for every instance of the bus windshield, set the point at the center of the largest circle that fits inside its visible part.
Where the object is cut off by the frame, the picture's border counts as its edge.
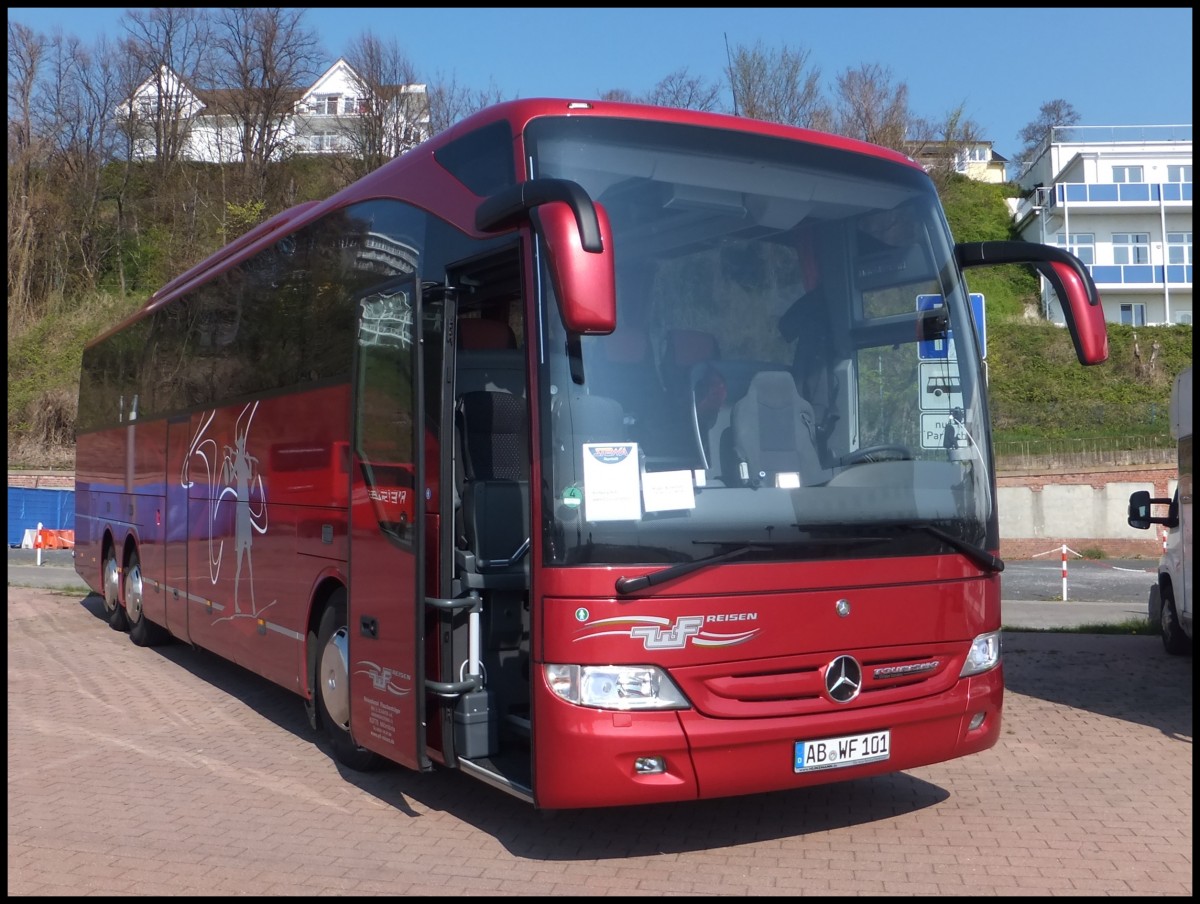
(795, 373)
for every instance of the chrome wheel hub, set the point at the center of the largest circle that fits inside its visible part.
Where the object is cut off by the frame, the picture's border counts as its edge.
(133, 593)
(112, 584)
(334, 679)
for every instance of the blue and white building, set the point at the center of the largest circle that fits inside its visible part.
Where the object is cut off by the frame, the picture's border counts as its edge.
(1120, 197)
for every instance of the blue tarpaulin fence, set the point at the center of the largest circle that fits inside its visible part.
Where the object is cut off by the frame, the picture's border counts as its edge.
(55, 509)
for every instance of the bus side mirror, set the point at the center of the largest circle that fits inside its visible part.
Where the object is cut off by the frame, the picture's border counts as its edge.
(584, 281)
(1080, 303)
(578, 240)
(1077, 295)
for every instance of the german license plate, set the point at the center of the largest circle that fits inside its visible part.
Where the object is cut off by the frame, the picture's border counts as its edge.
(851, 750)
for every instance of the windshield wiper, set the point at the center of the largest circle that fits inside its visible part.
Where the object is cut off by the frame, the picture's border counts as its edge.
(632, 585)
(976, 554)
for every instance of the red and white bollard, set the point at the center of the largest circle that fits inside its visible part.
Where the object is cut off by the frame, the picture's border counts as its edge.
(1164, 541)
(1064, 572)
(37, 542)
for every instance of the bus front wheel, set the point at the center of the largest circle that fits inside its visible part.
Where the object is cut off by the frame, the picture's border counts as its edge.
(332, 687)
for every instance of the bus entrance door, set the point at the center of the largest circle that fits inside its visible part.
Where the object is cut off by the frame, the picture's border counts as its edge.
(385, 615)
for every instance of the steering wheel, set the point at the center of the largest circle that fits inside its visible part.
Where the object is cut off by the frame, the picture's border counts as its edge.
(881, 452)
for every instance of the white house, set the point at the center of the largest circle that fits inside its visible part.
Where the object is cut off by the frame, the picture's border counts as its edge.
(1119, 197)
(326, 117)
(325, 113)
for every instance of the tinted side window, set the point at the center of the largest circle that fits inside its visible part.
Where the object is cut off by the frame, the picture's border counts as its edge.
(481, 160)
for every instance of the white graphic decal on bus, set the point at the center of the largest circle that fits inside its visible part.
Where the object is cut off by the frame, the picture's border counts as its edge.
(384, 678)
(660, 634)
(230, 472)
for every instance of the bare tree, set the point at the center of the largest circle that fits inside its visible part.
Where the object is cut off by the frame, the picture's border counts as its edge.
(777, 86)
(159, 69)
(393, 112)
(618, 96)
(26, 52)
(1051, 114)
(679, 89)
(59, 142)
(870, 107)
(168, 48)
(266, 53)
(83, 92)
(450, 102)
(684, 91)
(942, 143)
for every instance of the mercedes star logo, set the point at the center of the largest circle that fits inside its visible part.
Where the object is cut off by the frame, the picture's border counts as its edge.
(843, 679)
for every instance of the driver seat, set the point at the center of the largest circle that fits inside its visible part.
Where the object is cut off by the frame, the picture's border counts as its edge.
(774, 433)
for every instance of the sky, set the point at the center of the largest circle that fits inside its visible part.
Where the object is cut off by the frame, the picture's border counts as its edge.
(1124, 66)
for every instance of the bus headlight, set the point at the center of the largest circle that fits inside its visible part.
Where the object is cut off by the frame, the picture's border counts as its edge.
(615, 686)
(983, 655)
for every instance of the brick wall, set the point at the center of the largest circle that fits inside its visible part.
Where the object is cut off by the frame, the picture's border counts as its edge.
(1105, 489)
(42, 480)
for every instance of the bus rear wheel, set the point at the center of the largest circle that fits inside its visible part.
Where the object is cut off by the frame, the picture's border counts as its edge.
(142, 631)
(111, 578)
(1174, 640)
(332, 687)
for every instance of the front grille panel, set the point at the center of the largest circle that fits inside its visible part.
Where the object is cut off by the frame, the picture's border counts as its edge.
(795, 685)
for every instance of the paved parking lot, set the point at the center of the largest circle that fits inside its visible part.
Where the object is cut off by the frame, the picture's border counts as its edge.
(169, 772)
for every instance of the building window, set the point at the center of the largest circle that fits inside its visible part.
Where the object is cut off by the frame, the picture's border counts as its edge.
(327, 104)
(327, 141)
(1127, 174)
(1133, 314)
(1179, 248)
(1177, 173)
(1183, 317)
(1082, 245)
(1131, 247)
(966, 156)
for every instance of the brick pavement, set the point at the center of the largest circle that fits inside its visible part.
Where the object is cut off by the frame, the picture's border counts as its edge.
(169, 772)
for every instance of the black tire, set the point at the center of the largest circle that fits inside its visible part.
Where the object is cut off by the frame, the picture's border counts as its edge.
(110, 579)
(142, 631)
(331, 688)
(1154, 609)
(1174, 640)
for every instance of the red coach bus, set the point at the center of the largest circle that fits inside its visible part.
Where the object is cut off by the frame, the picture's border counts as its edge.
(586, 449)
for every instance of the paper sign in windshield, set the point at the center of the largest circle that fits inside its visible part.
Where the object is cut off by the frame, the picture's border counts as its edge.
(611, 490)
(665, 491)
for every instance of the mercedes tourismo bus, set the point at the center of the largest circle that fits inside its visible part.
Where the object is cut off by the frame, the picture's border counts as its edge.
(586, 449)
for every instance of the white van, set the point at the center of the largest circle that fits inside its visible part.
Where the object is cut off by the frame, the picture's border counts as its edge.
(1170, 606)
